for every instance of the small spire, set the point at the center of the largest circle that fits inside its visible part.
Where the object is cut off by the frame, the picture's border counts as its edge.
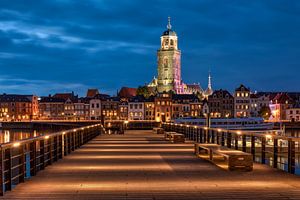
(209, 80)
(169, 26)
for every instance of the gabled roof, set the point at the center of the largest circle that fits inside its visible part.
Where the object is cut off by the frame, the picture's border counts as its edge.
(92, 92)
(282, 98)
(220, 94)
(294, 95)
(242, 88)
(127, 92)
(194, 87)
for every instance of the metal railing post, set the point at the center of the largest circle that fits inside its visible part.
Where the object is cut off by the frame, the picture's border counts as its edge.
(263, 150)
(253, 146)
(2, 171)
(42, 154)
(49, 141)
(229, 138)
(32, 149)
(7, 168)
(236, 141)
(223, 139)
(22, 168)
(244, 142)
(291, 156)
(275, 152)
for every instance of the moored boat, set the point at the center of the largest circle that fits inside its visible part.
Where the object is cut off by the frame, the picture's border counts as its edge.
(249, 123)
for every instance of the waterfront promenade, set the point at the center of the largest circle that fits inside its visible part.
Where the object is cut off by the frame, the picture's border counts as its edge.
(141, 165)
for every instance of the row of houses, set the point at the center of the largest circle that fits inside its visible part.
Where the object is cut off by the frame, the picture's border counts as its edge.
(162, 107)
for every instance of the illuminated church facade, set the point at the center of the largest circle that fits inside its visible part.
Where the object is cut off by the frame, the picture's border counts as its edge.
(169, 68)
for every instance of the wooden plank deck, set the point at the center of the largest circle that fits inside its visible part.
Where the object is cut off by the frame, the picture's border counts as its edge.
(141, 165)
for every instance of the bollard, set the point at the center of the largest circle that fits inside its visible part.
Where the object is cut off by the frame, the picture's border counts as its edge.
(275, 152)
(291, 156)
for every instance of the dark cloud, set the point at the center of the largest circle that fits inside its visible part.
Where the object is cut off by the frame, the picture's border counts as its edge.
(73, 45)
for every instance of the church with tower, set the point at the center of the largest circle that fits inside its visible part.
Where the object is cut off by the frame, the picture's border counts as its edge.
(169, 68)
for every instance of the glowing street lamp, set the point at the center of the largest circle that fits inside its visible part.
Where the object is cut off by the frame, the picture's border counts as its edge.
(16, 144)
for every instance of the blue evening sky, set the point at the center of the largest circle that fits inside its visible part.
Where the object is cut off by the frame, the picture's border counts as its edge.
(63, 45)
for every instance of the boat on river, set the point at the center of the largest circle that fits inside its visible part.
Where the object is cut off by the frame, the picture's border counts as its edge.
(247, 123)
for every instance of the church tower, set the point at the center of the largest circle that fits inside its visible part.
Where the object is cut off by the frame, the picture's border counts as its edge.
(168, 61)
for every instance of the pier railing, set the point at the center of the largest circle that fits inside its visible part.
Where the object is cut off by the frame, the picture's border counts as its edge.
(267, 147)
(22, 159)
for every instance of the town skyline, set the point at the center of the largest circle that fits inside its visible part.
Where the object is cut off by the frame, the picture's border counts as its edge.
(44, 54)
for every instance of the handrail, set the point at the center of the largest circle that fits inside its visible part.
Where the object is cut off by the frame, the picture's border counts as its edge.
(24, 158)
(268, 133)
(19, 142)
(261, 145)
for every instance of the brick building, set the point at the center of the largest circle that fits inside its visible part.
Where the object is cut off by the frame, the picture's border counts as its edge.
(18, 107)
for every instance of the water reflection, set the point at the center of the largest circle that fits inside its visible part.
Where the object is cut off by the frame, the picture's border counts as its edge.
(11, 135)
(293, 132)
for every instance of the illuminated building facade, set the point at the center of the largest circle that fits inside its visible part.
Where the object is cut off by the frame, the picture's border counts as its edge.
(221, 104)
(136, 108)
(18, 107)
(279, 106)
(163, 107)
(242, 101)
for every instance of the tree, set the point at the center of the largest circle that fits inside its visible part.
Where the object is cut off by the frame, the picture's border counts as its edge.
(143, 91)
(265, 112)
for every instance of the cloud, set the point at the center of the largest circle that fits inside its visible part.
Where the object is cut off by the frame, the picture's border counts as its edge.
(41, 87)
(109, 45)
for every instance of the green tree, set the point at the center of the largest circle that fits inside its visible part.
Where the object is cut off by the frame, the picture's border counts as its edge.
(143, 90)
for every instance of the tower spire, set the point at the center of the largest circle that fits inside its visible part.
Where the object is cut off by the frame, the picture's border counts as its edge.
(169, 26)
(209, 81)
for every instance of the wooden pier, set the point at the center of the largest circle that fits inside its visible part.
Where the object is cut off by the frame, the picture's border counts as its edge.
(142, 165)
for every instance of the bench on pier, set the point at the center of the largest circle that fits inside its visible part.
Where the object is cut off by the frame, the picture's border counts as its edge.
(230, 159)
(177, 138)
(158, 130)
(168, 135)
(174, 137)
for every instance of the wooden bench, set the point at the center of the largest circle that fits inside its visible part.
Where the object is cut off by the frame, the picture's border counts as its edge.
(233, 159)
(174, 137)
(158, 130)
(168, 135)
(177, 138)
